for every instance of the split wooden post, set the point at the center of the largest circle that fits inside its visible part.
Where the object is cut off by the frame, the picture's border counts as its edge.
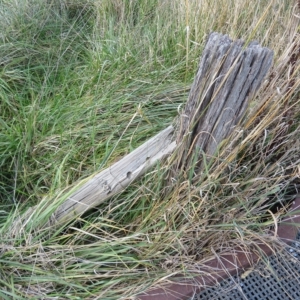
(228, 76)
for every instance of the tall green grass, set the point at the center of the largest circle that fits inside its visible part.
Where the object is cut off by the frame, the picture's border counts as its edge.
(82, 83)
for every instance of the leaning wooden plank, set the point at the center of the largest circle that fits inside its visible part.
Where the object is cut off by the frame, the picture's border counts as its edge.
(116, 178)
(229, 74)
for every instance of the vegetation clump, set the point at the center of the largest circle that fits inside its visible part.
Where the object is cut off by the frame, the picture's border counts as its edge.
(83, 83)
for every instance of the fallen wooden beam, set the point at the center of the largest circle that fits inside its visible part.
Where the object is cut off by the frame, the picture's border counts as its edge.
(117, 177)
(229, 74)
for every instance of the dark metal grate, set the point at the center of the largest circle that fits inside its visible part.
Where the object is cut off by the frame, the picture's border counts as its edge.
(277, 279)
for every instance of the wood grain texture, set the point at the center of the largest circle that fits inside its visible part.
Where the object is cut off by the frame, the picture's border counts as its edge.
(229, 74)
(117, 177)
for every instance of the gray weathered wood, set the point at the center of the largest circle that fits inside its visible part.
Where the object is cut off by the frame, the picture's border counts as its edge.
(117, 177)
(228, 76)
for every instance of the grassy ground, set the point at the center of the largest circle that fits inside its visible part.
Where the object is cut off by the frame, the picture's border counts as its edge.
(82, 83)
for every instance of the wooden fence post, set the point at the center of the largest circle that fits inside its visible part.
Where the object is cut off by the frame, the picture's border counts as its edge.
(228, 76)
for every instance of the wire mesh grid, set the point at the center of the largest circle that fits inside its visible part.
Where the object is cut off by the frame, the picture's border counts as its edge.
(276, 279)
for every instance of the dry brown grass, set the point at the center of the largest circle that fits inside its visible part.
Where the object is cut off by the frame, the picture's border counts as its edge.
(151, 232)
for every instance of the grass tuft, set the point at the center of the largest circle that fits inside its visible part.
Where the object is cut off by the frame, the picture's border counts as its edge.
(83, 83)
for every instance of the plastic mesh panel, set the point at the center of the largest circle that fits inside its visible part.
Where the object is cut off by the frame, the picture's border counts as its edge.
(279, 279)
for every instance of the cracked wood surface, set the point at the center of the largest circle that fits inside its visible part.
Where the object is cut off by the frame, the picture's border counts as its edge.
(229, 74)
(117, 177)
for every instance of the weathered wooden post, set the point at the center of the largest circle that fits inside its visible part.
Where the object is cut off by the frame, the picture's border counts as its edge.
(228, 76)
